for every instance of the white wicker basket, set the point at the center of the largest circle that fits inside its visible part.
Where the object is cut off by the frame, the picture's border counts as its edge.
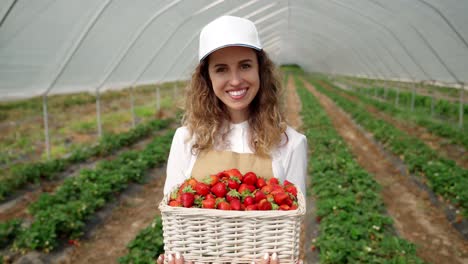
(217, 236)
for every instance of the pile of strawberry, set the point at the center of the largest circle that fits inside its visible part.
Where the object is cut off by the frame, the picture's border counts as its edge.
(230, 190)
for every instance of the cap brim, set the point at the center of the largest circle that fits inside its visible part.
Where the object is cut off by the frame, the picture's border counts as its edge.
(230, 45)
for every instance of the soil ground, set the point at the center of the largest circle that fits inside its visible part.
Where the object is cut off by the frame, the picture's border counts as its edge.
(441, 145)
(415, 217)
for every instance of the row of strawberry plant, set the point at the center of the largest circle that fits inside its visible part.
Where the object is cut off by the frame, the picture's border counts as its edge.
(147, 245)
(353, 225)
(443, 176)
(22, 174)
(454, 134)
(63, 215)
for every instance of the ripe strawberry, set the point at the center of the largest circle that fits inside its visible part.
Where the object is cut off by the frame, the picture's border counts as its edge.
(286, 183)
(232, 194)
(234, 173)
(252, 207)
(202, 188)
(280, 197)
(291, 189)
(273, 181)
(175, 203)
(249, 200)
(219, 189)
(209, 203)
(259, 195)
(264, 205)
(246, 187)
(188, 199)
(223, 206)
(211, 180)
(267, 189)
(210, 196)
(284, 207)
(233, 183)
(250, 178)
(235, 204)
(260, 182)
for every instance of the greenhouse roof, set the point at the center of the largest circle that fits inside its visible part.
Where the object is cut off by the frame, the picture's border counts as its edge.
(52, 47)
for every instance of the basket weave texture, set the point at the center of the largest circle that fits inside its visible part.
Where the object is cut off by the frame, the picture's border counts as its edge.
(217, 236)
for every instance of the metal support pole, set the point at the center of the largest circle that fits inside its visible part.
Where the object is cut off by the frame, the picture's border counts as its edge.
(413, 94)
(397, 98)
(158, 99)
(46, 125)
(460, 113)
(132, 106)
(98, 114)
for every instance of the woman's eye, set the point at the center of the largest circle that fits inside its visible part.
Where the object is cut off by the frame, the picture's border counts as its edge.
(220, 69)
(245, 66)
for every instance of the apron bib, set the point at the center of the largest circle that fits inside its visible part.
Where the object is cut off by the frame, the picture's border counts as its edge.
(212, 162)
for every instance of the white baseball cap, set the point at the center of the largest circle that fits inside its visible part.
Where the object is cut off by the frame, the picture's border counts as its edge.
(228, 31)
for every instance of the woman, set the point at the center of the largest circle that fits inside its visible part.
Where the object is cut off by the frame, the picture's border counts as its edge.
(233, 117)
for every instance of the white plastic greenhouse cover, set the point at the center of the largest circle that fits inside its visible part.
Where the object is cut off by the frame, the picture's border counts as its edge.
(62, 46)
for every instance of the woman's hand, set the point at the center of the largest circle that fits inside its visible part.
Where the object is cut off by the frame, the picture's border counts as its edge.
(273, 259)
(171, 259)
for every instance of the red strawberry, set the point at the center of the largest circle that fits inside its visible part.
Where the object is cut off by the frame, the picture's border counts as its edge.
(267, 189)
(280, 197)
(235, 204)
(209, 203)
(264, 205)
(246, 187)
(202, 188)
(259, 195)
(211, 180)
(192, 182)
(286, 183)
(232, 194)
(234, 173)
(250, 178)
(260, 182)
(223, 206)
(210, 196)
(219, 189)
(273, 181)
(252, 207)
(284, 207)
(291, 189)
(175, 203)
(249, 200)
(188, 199)
(233, 183)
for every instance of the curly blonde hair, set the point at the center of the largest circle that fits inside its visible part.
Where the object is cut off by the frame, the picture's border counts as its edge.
(205, 114)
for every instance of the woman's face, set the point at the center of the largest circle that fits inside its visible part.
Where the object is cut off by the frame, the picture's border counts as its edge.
(235, 78)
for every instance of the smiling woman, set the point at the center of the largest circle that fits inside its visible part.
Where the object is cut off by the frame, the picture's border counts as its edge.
(233, 117)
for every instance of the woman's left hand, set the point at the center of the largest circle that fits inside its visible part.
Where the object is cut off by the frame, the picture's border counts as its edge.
(273, 259)
(173, 259)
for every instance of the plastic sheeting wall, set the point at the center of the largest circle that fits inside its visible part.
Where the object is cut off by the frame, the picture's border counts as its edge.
(63, 46)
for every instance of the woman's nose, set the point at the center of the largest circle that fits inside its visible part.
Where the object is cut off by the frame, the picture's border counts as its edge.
(236, 78)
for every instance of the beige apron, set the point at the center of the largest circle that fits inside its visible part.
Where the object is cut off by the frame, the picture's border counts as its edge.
(212, 162)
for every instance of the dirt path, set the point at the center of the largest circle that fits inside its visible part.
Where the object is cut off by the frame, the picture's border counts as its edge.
(311, 227)
(109, 240)
(415, 218)
(441, 145)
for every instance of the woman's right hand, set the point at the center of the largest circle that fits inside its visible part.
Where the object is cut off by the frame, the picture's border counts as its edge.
(172, 259)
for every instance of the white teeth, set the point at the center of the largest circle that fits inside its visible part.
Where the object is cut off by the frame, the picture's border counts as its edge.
(238, 93)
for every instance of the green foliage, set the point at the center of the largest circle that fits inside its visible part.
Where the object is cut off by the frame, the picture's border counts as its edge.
(8, 231)
(443, 175)
(147, 245)
(64, 213)
(34, 172)
(353, 225)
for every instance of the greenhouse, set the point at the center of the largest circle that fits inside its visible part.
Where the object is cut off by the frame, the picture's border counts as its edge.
(371, 97)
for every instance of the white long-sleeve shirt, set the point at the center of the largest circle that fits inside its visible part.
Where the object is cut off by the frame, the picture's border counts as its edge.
(289, 161)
